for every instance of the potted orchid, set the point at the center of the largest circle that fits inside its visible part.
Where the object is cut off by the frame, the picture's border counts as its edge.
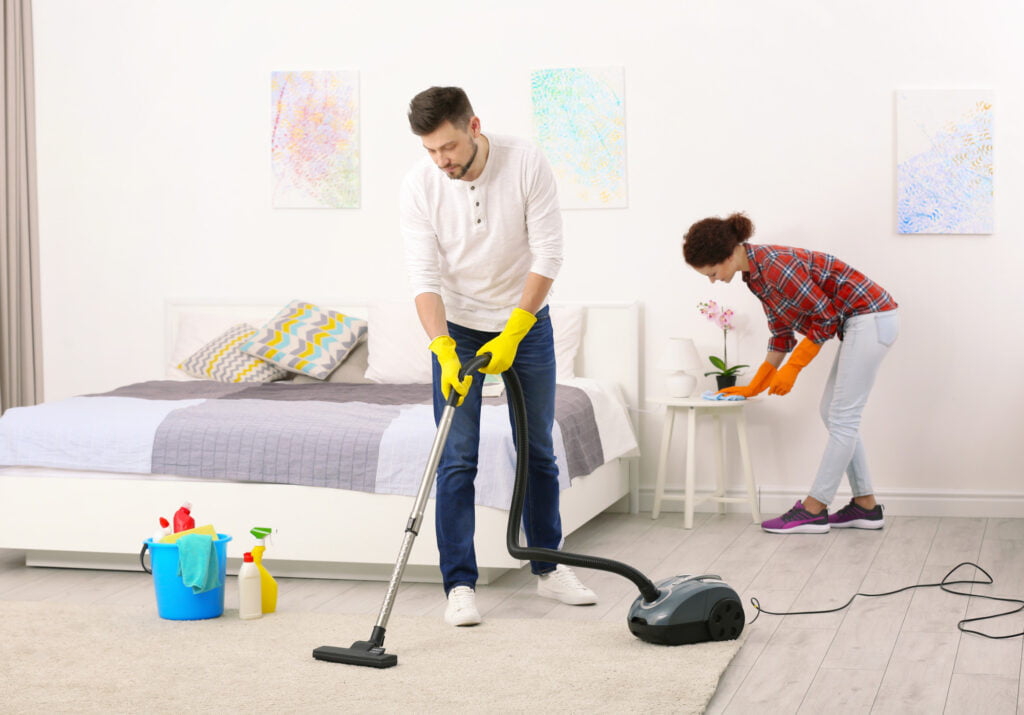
(721, 316)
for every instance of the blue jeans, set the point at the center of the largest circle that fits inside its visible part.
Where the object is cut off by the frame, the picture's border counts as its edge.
(866, 341)
(455, 513)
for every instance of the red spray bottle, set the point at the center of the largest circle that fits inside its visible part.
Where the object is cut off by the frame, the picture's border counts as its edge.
(164, 530)
(183, 520)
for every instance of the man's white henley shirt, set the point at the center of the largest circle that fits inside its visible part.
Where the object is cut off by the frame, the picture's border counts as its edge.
(474, 242)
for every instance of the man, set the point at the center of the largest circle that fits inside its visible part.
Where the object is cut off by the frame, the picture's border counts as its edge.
(483, 239)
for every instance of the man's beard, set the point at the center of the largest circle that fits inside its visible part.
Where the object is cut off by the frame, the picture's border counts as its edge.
(465, 167)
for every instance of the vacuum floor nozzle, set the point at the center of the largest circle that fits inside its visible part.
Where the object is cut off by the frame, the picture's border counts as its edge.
(360, 653)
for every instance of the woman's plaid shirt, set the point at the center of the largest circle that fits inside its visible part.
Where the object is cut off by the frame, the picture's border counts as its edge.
(809, 292)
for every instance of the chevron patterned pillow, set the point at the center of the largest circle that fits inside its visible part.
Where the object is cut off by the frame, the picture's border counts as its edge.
(307, 339)
(222, 360)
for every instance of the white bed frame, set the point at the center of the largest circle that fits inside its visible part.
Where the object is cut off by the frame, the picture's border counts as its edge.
(99, 520)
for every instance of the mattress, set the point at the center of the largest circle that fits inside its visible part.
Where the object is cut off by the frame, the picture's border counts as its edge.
(364, 437)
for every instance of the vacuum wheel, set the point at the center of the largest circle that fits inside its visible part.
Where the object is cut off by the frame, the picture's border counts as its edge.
(725, 622)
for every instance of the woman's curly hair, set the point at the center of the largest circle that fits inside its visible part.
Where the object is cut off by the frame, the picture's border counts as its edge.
(712, 240)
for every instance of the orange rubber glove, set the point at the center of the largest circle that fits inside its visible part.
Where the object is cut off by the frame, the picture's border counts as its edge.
(444, 347)
(762, 378)
(783, 381)
(503, 348)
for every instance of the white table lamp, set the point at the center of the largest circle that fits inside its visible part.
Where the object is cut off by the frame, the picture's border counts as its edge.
(680, 359)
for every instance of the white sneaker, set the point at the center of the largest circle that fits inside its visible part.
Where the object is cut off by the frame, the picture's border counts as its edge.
(562, 585)
(461, 609)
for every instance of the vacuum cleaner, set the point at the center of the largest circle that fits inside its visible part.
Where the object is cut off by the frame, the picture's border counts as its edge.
(679, 610)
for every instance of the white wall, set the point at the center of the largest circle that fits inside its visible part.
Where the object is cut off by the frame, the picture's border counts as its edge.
(154, 186)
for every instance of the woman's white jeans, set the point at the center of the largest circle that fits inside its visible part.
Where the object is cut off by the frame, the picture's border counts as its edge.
(866, 340)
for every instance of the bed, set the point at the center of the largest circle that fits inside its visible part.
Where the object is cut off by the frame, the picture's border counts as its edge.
(92, 498)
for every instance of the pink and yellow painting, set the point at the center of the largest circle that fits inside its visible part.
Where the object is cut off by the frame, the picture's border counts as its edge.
(315, 139)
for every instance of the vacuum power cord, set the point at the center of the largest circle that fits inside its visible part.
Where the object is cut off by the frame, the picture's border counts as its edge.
(944, 585)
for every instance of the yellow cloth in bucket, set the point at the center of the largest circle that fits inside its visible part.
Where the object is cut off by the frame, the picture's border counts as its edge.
(204, 529)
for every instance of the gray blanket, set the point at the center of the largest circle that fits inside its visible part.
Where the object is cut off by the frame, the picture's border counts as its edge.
(369, 437)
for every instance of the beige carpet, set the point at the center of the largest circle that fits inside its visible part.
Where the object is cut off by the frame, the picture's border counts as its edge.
(75, 658)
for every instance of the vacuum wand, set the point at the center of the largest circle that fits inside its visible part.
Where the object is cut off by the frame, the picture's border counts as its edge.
(371, 652)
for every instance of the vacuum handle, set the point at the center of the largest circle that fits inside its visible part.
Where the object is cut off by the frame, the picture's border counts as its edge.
(473, 364)
(412, 527)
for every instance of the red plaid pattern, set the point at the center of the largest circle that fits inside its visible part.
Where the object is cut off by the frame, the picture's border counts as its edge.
(810, 293)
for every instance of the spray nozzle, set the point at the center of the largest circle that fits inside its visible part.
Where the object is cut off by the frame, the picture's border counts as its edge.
(261, 533)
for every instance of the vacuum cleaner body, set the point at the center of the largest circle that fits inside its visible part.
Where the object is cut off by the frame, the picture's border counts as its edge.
(689, 609)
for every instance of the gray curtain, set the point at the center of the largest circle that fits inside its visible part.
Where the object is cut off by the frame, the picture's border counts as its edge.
(21, 364)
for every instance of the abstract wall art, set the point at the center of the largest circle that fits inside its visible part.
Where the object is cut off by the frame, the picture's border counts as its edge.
(315, 139)
(945, 169)
(579, 120)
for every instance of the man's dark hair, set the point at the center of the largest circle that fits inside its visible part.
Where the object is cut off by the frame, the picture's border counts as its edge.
(432, 107)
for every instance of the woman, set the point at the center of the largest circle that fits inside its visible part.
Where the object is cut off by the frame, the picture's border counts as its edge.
(818, 296)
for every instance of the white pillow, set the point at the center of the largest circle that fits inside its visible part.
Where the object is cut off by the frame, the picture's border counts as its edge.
(400, 353)
(399, 348)
(567, 326)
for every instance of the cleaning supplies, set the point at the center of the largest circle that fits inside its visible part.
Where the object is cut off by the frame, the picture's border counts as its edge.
(268, 585)
(164, 530)
(183, 518)
(204, 529)
(249, 589)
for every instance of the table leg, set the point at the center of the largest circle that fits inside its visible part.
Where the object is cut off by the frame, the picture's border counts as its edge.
(666, 441)
(748, 471)
(720, 460)
(691, 449)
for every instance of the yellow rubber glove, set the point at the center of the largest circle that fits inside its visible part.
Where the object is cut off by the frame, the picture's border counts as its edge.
(757, 385)
(503, 348)
(444, 347)
(783, 381)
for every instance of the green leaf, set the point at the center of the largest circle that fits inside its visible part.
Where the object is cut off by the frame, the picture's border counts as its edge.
(732, 370)
(717, 362)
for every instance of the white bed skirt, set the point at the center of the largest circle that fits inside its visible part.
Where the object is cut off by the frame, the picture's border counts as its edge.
(98, 520)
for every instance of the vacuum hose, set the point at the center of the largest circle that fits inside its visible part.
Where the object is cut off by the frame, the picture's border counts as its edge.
(515, 516)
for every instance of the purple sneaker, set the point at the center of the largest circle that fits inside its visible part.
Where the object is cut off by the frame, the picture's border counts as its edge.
(798, 521)
(857, 517)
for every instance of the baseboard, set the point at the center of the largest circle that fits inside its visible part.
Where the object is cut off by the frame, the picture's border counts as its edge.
(772, 501)
(419, 573)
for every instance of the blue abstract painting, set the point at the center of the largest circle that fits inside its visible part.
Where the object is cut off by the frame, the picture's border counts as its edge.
(945, 167)
(579, 120)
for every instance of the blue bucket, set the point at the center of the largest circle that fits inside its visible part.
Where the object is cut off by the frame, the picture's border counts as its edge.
(174, 600)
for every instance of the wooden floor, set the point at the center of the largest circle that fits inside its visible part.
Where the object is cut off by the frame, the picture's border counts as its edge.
(898, 654)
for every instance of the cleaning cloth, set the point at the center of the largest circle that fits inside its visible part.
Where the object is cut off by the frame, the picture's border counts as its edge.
(197, 562)
(712, 395)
